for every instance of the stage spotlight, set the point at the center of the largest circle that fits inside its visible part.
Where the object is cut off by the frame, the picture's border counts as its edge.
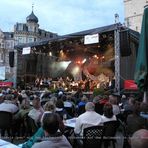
(83, 61)
(50, 53)
(64, 64)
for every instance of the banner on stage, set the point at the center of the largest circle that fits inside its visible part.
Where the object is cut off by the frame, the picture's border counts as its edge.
(26, 50)
(91, 39)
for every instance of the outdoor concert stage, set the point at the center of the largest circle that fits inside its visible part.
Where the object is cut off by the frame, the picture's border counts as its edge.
(109, 53)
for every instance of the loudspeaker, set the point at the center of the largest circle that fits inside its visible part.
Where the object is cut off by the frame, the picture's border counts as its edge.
(125, 49)
(11, 58)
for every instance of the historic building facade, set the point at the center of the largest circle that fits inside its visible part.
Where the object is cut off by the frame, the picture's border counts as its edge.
(6, 47)
(133, 10)
(23, 33)
(30, 31)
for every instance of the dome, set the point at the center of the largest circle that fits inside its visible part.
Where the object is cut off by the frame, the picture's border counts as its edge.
(32, 18)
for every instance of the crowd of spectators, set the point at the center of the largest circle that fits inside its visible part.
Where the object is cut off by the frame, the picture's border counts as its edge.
(48, 110)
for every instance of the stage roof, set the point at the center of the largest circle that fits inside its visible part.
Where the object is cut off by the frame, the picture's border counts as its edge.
(133, 34)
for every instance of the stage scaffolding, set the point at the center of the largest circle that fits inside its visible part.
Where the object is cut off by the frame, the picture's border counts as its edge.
(117, 60)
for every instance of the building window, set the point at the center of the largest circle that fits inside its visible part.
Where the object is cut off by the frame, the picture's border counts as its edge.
(136, 28)
(20, 27)
(1, 57)
(30, 40)
(51, 35)
(128, 22)
(2, 45)
(20, 39)
(30, 28)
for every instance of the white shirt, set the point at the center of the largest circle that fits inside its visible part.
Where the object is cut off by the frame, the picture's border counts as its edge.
(105, 119)
(87, 119)
(8, 107)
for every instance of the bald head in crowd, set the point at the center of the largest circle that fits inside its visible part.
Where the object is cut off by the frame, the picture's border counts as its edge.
(89, 106)
(140, 139)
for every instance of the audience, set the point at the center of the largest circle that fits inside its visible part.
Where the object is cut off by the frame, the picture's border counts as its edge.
(49, 107)
(98, 106)
(52, 138)
(139, 139)
(91, 114)
(9, 104)
(134, 120)
(144, 110)
(108, 113)
(113, 100)
(37, 111)
(25, 108)
(87, 119)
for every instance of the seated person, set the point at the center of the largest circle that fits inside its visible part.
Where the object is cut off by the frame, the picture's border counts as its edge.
(139, 139)
(49, 107)
(81, 105)
(60, 110)
(144, 110)
(52, 138)
(134, 120)
(9, 104)
(108, 113)
(37, 111)
(98, 105)
(25, 108)
(113, 101)
(87, 119)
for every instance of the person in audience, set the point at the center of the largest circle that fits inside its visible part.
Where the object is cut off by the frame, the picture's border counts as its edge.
(98, 105)
(113, 101)
(87, 119)
(54, 99)
(81, 105)
(9, 104)
(53, 138)
(134, 120)
(25, 108)
(144, 110)
(60, 109)
(108, 113)
(69, 105)
(37, 111)
(139, 139)
(129, 106)
(49, 107)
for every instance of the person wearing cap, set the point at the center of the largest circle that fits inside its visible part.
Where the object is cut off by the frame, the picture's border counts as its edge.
(87, 119)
